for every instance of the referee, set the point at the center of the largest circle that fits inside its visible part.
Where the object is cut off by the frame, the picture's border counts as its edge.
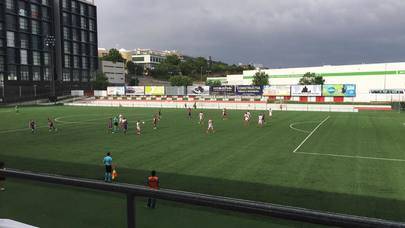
(108, 167)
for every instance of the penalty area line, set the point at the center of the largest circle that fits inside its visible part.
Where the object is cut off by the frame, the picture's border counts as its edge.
(310, 134)
(351, 156)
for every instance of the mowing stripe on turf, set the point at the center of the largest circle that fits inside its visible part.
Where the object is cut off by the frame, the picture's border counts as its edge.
(310, 134)
(351, 156)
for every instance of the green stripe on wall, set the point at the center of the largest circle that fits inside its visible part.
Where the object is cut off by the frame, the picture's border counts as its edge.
(344, 74)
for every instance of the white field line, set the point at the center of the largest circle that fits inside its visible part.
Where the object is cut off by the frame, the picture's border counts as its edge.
(351, 156)
(310, 134)
(298, 123)
(61, 123)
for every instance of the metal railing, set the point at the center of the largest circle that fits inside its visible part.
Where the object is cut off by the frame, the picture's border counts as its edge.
(232, 204)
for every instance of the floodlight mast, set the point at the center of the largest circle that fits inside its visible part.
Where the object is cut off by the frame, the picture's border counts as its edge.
(50, 42)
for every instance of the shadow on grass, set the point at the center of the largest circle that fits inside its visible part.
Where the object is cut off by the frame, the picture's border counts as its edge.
(327, 201)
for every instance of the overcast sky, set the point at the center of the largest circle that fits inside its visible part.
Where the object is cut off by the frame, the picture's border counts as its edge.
(276, 33)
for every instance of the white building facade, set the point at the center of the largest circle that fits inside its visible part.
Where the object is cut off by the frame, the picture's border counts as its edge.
(115, 72)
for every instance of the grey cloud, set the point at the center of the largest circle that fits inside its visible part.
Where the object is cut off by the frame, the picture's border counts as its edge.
(277, 33)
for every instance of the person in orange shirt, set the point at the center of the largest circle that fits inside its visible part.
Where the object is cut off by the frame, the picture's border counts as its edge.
(153, 183)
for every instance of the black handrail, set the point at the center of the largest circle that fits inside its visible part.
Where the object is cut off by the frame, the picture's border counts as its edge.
(238, 205)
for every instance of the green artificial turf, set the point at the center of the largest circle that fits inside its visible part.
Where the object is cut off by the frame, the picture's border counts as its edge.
(353, 163)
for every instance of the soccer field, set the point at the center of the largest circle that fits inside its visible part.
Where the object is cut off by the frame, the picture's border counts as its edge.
(341, 162)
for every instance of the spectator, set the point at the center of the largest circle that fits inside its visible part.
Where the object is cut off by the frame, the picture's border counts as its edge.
(153, 183)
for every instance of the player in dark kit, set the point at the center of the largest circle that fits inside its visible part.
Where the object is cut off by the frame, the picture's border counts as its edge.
(224, 114)
(51, 125)
(160, 113)
(189, 113)
(155, 121)
(125, 125)
(32, 125)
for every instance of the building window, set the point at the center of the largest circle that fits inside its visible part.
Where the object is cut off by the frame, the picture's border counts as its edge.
(65, 33)
(76, 62)
(138, 59)
(83, 23)
(46, 58)
(84, 36)
(45, 2)
(11, 56)
(92, 25)
(36, 58)
(84, 49)
(23, 41)
(11, 76)
(36, 75)
(75, 48)
(34, 11)
(36, 42)
(34, 27)
(66, 61)
(66, 47)
(66, 20)
(1, 26)
(23, 57)
(74, 6)
(22, 8)
(46, 74)
(45, 28)
(75, 34)
(75, 20)
(82, 9)
(10, 39)
(45, 13)
(1, 80)
(76, 75)
(92, 37)
(92, 11)
(85, 76)
(23, 23)
(1, 64)
(24, 74)
(66, 76)
(10, 4)
(64, 4)
(11, 22)
(84, 63)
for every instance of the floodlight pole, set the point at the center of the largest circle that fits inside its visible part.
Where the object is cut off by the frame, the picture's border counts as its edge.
(50, 43)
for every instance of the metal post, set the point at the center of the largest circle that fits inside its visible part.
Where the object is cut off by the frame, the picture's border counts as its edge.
(131, 210)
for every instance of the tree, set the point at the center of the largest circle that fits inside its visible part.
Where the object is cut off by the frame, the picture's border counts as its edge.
(213, 83)
(133, 82)
(260, 79)
(172, 59)
(113, 55)
(311, 79)
(134, 69)
(181, 80)
(101, 82)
